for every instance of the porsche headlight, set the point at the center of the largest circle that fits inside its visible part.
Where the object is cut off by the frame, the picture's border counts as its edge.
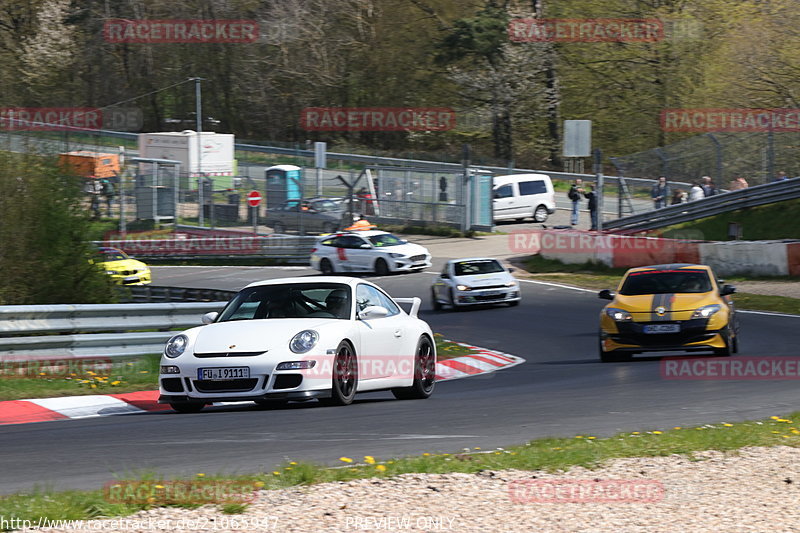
(176, 346)
(303, 341)
(463, 287)
(706, 311)
(619, 315)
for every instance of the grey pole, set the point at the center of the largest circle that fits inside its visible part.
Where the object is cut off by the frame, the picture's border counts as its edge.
(598, 168)
(198, 130)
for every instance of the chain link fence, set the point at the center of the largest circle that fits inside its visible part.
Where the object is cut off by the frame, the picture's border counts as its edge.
(756, 156)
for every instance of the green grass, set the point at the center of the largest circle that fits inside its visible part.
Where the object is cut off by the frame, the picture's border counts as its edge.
(548, 454)
(33, 380)
(448, 349)
(772, 221)
(598, 276)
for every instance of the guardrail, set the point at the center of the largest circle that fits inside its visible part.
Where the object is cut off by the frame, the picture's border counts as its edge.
(94, 330)
(713, 205)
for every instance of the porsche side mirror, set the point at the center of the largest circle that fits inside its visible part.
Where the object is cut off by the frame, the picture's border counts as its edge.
(605, 294)
(373, 311)
(727, 289)
(210, 317)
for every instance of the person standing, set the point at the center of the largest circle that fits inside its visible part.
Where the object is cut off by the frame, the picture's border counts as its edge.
(709, 189)
(574, 194)
(680, 197)
(592, 197)
(738, 184)
(107, 190)
(696, 192)
(660, 192)
(781, 176)
(92, 188)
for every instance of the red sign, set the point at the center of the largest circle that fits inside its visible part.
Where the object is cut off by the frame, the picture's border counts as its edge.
(254, 198)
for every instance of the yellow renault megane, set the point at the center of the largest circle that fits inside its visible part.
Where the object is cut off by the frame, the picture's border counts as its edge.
(665, 308)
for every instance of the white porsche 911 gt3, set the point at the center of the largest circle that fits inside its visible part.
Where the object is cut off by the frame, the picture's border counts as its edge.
(325, 337)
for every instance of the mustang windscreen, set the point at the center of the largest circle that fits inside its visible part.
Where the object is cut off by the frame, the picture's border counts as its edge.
(666, 282)
(306, 300)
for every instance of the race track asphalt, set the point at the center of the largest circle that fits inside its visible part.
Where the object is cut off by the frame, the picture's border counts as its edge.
(562, 390)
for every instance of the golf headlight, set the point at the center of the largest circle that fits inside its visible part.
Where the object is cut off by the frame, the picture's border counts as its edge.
(511, 284)
(176, 346)
(463, 288)
(619, 315)
(706, 311)
(304, 341)
(296, 365)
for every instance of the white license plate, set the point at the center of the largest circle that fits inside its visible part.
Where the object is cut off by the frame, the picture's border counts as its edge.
(132, 278)
(225, 372)
(662, 328)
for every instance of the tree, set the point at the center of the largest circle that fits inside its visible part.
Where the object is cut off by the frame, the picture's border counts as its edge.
(45, 256)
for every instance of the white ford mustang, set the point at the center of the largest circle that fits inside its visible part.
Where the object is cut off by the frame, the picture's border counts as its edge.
(325, 337)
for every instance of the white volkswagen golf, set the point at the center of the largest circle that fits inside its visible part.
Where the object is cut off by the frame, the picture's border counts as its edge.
(298, 339)
(368, 251)
(474, 281)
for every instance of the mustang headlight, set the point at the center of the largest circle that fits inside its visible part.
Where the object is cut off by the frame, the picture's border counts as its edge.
(463, 287)
(304, 341)
(706, 311)
(619, 315)
(176, 346)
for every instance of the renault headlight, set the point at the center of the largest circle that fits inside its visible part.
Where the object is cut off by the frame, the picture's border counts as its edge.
(619, 315)
(706, 311)
(176, 346)
(303, 341)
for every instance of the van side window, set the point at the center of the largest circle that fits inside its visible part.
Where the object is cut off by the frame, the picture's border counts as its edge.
(504, 191)
(532, 187)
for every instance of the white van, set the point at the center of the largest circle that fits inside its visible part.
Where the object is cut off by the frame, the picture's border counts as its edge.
(519, 196)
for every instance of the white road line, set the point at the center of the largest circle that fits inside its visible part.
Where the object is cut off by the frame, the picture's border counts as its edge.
(87, 406)
(581, 289)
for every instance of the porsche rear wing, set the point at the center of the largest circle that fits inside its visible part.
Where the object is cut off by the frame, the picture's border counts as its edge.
(415, 303)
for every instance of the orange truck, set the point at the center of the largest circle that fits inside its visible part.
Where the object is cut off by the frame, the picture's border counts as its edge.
(90, 164)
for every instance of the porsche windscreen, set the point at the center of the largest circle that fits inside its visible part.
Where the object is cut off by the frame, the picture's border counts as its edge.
(307, 300)
(666, 282)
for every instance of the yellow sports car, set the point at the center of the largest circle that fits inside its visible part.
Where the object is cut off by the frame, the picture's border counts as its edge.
(665, 308)
(122, 268)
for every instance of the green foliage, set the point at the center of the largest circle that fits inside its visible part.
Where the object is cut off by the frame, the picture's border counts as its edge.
(45, 256)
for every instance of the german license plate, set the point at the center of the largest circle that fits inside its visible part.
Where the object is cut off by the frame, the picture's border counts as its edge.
(662, 328)
(225, 372)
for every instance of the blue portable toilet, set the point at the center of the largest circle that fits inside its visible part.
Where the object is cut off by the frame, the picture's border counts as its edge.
(283, 185)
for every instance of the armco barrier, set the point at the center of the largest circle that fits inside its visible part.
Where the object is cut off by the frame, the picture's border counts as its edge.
(765, 258)
(21, 327)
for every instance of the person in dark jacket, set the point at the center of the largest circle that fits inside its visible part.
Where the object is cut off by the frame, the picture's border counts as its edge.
(592, 197)
(709, 189)
(660, 193)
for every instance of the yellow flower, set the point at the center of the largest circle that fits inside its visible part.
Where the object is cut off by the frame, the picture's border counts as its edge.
(345, 459)
(677, 427)
(635, 433)
(727, 425)
(115, 383)
(497, 453)
(369, 459)
(276, 473)
(159, 486)
(144, 372)
(90, 372)
(445, 454)
(656, 433)
(151, 500)
(353, 469)
(796, 432)
(93, 386)
(477, 448)
(776, 431)
(785, 436)
(775, 417)
(288, 468)
(578, 436)
(201, 475)
(293, 463)
(426, 454)
(591, 438)
(380, 468)
(42, 374)
(258, 484)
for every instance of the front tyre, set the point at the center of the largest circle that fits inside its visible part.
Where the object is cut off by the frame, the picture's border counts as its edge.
(612, 356)
(187, 407)
(344, 380)
(727, 350)
(437, 305)
(424, 373)
(381, 268)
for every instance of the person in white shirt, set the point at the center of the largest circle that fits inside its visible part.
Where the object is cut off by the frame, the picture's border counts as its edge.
(696, 192)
